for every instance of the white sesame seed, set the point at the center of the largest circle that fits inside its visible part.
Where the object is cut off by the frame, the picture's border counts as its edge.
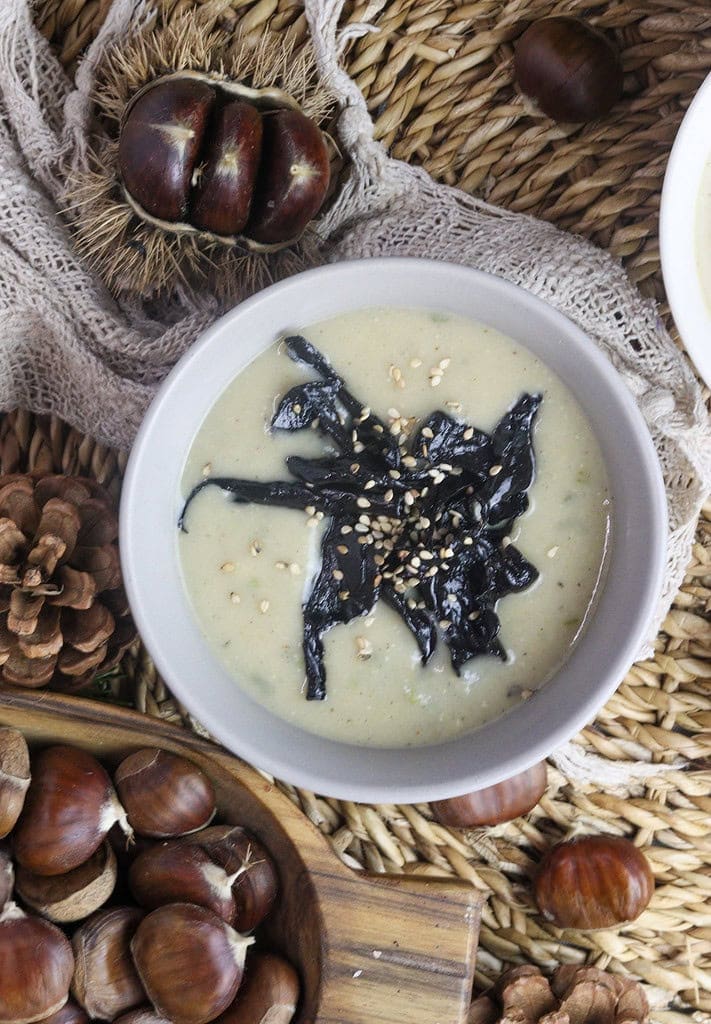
(409, 498)
(452, 598)
(444, 624)
(342, 549)
(227, 567)
(297, 408)
(235, 598)
(415, 562)
(495, 470)
(364, 519)
(343, 595)
(310, 510)
(409, 461)
(337, 574)
(415, 363)
(312, 521)
(358, 447)
(377, 580)
(468, 541)
(346, 529)
(444, 363)
(362, 503)
(427, 432)
(280, 565)
(388, 496)
(361, 528)
(394, 474)
(505, 541)
(552, 552)
(427, 555)
(319, 516)
(432, 571)
(411, 602)
(255, 547)
(295, 569)
(355, 467)
(264, 607)
(369, 485)
(468, 434)
(393, 414)
(445, 467)
(365, 412)
(435, 381)
(364, 648)
(473, 616)
(207, 469)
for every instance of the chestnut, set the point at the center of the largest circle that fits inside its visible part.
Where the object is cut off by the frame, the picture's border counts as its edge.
(74, 895)
(593, 882)
(223, 192)
(36, 965)
(571, 69)
(159, 144)
(179, 872)
(14, 777)
(69, 809)
(269, 992)
(189, 961)
(495, 804)
(143, 1015)
(105, 981)
(164, 794)
(293, 179)
(255, 881)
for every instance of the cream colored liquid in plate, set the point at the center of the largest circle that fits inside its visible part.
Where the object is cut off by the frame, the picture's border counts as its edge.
(248, 569)
(703, 233)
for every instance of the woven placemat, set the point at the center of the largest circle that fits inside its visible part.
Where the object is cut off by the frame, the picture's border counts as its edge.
(437, 76)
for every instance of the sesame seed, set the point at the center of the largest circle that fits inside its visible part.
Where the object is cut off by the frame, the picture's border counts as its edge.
(411, 602)
(377, 580)
(362, 503)
(358, 447)
(393, 414)
(364, 519)
(319, 516)
(435, 381)
(409, 461)
(355, 467)
(438, 478)
(414, 561)
(364, 648)
(310, 510)
(452, 598)
(361, 528)
(427, 432)
(495, 470)
(369, 485)
(432, 571)
(388, 496)
(297, 408)
(255, 548)
(365, 412)
(378, 428)
(280, 565)
(444, 624)
(343, 595)
(444, 363)
(552, 552)
(415, 363)
(468, 434)
(445, 467)
(473, 616)
(342, 549)
(394, 474)
(379, 560)
(207, 469)
(227, 567)
(337, 574)
(505, 541)
(235, 598)
(312, 521)
(427, 555)
(295, 569)
(264, 607)
(468, 541)
(346, 529)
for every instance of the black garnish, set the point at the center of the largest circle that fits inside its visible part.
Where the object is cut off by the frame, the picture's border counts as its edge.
(420, 522)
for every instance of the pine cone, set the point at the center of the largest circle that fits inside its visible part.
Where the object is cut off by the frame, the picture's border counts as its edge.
(574, 995)
(63, 612)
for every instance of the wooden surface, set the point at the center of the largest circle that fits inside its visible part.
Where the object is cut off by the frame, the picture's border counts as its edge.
(368, 949)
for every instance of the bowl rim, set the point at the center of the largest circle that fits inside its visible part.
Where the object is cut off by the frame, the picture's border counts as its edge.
(398, 775)
(690, 153)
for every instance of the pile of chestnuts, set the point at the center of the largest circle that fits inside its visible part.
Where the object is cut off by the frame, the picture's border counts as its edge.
(121, 901)
(199, 154)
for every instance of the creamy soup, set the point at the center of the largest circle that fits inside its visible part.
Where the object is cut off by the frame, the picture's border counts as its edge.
(249, 569)
(703, 233)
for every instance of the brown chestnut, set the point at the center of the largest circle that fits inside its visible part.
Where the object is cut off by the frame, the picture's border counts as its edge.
(159, 145)
(105, 981)
(495, 804)
(190, 962)
(255, 880)
(7, 875)
(14, 777)
(593, 882)
(571, 69)
(36, 965)
(180, 872)
(269, 992)
(143, 1015)
(69, 809)
(293, 177)
(223, 192)
(164, 794)
(73, 896)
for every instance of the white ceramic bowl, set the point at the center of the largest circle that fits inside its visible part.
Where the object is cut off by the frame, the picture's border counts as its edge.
(152, 500)
(678, 225)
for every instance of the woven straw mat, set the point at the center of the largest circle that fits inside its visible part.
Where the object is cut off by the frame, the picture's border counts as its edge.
(437, 76)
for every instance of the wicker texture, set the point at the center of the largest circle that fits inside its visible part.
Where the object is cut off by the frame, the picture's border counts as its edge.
(437, 76)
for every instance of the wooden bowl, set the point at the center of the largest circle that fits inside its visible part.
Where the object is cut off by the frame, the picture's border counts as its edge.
(371, 949)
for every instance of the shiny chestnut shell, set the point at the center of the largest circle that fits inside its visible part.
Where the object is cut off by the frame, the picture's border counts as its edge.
(14, 777)
(571, 69)
(164, 794)
(495, 804)
(242, 856)
(36, 965)
(199, 154)
(593, 882)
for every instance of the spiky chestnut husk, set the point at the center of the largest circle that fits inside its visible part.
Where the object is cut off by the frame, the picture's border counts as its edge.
(133, 255)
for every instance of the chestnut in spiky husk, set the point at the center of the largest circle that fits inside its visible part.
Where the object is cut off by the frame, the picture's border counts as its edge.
(199, 154)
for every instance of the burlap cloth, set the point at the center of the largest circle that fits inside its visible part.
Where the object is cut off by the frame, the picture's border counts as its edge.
(437, 78)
